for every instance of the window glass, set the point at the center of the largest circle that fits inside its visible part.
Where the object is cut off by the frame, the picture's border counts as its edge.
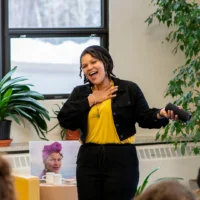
(54, 13)
(51, 64)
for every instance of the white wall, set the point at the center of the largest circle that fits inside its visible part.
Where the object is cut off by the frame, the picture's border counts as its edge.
(138, 54)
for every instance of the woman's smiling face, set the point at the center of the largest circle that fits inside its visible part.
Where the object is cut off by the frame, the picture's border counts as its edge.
(93, 69)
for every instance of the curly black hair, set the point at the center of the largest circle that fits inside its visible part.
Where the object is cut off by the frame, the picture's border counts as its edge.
(101, 54)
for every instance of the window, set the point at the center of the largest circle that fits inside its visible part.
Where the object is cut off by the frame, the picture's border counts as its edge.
(45, 38)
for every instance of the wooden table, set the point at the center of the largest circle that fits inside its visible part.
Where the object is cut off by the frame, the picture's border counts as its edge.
(61, 192)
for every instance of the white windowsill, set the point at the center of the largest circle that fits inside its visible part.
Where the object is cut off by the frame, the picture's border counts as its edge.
(15, 147)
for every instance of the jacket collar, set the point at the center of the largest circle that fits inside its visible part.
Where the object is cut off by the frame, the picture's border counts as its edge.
(118, 82)
(85, 90)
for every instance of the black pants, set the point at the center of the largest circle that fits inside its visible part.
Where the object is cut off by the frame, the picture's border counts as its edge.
(107, 172)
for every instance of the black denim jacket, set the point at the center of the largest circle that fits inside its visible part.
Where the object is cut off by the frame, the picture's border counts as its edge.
(128, 107)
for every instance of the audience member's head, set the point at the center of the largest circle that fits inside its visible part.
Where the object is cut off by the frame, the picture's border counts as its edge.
(7, 191)
(166, 190)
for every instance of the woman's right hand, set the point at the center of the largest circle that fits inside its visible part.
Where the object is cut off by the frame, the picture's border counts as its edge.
(99, 96)
(105, 94)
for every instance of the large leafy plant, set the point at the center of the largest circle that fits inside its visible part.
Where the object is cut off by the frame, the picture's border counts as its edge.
(184, 19)
(19, 102)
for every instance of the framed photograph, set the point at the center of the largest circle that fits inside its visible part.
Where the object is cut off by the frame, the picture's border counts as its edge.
(54, 156)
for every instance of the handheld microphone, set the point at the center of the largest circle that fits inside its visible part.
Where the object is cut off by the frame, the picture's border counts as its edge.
(182, 114)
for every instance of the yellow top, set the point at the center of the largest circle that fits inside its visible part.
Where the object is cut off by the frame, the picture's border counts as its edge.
(101, 128)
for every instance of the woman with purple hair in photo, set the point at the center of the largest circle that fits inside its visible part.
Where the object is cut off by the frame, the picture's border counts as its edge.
(52, 158)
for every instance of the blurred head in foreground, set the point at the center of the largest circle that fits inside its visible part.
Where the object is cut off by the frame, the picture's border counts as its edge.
(166, 190)
(7, 191)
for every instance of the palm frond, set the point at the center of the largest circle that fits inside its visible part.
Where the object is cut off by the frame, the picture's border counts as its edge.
(7, 76)
(14, 117)
(19, 87)
(11, 82)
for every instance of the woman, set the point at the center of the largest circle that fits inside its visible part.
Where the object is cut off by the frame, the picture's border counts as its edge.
(106, 109)
(52, 158)
(7, 190)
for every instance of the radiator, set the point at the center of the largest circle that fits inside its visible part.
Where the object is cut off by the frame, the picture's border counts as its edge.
(19, 163)
(171, 163)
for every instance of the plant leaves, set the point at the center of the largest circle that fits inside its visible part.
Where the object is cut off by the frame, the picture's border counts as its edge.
(18, 101)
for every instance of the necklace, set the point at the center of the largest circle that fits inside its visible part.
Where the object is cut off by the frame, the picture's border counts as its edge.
(99, 105)
(98, 111)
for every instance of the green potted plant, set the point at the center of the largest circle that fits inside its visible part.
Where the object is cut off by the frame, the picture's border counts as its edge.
(183, 19)
(19, 102)
(65, 133)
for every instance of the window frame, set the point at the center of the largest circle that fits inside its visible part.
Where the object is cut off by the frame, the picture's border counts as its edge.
(7, 33)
